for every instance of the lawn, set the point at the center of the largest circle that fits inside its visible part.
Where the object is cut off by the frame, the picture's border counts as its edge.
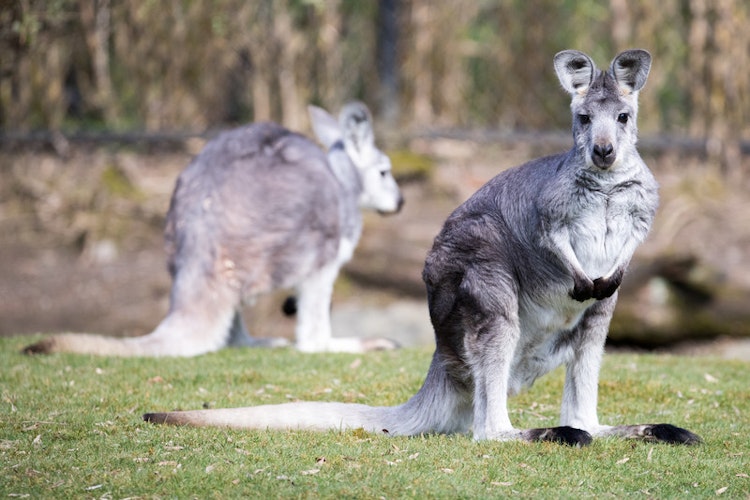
(70, 426)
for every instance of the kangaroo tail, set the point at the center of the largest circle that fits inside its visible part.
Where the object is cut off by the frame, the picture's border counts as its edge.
(177, 335)
(440, 406)
(317, 416)
(199, 321)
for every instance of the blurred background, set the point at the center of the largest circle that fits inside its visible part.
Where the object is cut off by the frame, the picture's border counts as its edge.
(102, 103)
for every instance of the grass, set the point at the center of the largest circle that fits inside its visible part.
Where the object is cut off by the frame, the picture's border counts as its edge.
(70, 427)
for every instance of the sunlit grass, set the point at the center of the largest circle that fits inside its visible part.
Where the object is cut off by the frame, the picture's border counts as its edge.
(70, 426)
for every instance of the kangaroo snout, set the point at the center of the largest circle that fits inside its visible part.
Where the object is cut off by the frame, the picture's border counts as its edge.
(604, 155)
(396, 209)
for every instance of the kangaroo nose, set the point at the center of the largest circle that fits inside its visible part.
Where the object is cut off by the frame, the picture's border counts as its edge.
(399, 206)
(400, 203)
(604, 155)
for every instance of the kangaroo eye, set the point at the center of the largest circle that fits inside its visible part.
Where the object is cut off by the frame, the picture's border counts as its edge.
(623, 118)
(584, 119)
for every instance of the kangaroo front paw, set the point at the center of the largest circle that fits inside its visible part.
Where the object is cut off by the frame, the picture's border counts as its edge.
(606, 287)
(583, 289)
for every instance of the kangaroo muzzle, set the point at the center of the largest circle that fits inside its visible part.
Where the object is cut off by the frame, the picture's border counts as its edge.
(397, 209)
(603, 155)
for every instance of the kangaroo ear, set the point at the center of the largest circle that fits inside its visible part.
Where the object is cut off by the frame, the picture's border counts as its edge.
(325, 126)
(575, 70)
(630, 69)
(356, 125)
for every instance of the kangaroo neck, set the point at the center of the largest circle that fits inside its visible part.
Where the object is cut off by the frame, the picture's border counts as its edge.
(345, 171)
(590, 176)
(350, 189)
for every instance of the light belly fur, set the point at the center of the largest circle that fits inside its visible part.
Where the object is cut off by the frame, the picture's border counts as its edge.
(538, 350)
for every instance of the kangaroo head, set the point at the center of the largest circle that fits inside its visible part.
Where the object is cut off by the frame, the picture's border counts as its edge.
(353, 131)
(604, 103)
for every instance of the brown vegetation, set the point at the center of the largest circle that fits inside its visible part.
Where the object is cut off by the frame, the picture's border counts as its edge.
(191, 65)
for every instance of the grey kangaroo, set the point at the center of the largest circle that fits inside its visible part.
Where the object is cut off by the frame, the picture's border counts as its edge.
(262, 208)
(522, 278)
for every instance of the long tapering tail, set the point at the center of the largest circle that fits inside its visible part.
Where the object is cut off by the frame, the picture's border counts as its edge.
(440, 406)
(315, 416)
(176, 335)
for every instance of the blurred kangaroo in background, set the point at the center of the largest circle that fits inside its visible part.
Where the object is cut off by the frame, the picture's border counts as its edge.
(522, 278)
(262, 208)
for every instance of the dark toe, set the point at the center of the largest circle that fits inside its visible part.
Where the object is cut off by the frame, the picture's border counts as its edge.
(155, 418)
(43, 347)
(563, 435)
(668, 433)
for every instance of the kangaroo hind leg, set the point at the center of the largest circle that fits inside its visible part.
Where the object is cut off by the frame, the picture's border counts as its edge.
(491, 340)
(313, 331)
(467, 315)
(491, 420)
(201, 312)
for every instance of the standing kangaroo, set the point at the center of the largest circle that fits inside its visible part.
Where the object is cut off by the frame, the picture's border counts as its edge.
(522, 278)
(262, 208)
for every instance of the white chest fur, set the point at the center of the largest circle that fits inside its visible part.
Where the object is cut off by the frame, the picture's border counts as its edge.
(601, 232)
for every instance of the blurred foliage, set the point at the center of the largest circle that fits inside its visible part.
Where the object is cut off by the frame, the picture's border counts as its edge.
(195, 64)
(409, 166)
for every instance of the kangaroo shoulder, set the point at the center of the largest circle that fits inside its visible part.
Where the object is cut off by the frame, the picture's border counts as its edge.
(516, 185)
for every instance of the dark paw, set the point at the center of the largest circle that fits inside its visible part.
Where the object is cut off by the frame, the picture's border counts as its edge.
(604, 288)
(563, 435)
(289, 308)
(583, 289)
(166, 418)
(42, 347)
(668, 433)
(155, 418)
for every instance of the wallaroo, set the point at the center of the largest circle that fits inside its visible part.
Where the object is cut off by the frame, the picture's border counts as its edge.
(262, 208)
(522, 278)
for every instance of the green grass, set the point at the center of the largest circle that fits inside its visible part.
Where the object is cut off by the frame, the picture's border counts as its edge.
(70, 427)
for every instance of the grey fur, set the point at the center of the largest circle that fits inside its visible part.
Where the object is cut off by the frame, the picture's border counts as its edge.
(262, 208)
(522, 278)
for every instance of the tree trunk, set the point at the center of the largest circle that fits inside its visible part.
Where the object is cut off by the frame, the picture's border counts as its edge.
(95, 18)
(421, 71)
(388, 60)
(289, 45)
